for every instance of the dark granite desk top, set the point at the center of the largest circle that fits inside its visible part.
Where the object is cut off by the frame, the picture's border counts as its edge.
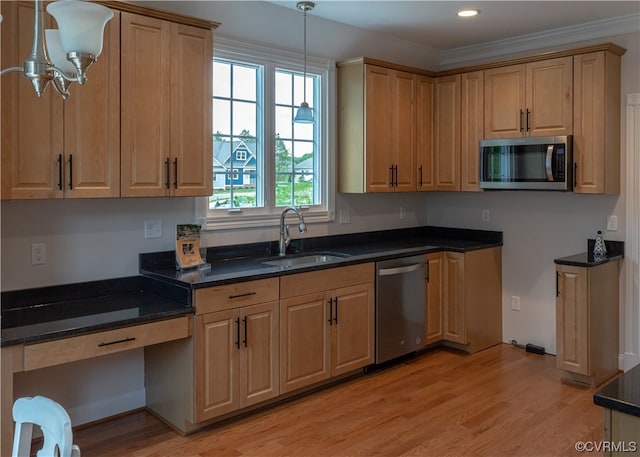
(243, 263)
(48, 313)
(615, 251)
(622, 394)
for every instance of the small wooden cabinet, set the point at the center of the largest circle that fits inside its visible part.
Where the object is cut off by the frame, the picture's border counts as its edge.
(166, 108)
(587, 322)
(471, 129)
(425, 153)
(376, 128)
(447, 133)
(596, 139)
(533, 99)
(53, 148)
(463, 300)
(325, 332)
(235, 349)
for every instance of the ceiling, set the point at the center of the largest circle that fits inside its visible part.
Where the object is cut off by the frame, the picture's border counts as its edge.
(436, 24)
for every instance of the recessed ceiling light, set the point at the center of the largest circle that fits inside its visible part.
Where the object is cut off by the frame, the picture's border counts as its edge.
(468, 13)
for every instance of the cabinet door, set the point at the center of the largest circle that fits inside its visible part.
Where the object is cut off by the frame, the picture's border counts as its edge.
(352, 328)
(259, 360)
(596, 139)
(217, 363)
(378, 112)
(433, 307)
(403, 131)
(32, 127)
(92, 125)
(572, 332)
(145, 107)
(454, 316)
(504, 95)
(191, 98)
(447, 133)
(471, 129)
(549, 104)
(304, 341)
(424, 133)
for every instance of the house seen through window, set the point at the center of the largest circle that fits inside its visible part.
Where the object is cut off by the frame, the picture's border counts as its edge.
(262, 160)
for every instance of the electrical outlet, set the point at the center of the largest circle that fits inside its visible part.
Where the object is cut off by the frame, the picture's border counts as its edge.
(345, 216)
(612, 224)
(485, 215)
(515, 303)
(38, 254)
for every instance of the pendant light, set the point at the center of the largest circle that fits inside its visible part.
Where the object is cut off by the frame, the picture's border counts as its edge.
(305, 113)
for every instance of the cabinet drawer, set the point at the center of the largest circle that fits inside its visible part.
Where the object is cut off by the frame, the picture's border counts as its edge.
(229, 296)
(65, 350)
(320, 281)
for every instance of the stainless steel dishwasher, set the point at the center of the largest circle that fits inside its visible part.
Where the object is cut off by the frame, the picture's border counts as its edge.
(399, 307)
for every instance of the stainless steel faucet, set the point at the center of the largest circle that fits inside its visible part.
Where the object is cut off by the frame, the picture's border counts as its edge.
(284, 229)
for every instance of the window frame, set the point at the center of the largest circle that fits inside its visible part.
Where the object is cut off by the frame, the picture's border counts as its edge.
(271, 60)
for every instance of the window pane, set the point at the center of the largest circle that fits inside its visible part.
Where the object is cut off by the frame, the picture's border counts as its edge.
(284, 121)
(283, 88)
(303, 190)
(221, 116)
(284, 159)
(244, 83)
(244, 118)
(303, 131)
(283, 190)
(221, 79)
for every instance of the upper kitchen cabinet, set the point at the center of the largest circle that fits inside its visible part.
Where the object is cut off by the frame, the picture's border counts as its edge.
(53, 148)
(425, 152)
(376, 128)
(447, 133)
(166, 108)
(471, 129)
(596, 120)
(533, 99)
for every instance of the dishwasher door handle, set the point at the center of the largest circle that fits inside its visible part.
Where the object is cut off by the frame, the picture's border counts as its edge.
(399, 270)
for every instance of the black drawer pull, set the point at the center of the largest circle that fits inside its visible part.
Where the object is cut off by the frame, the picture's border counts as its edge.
(124, 340)
(248, 294)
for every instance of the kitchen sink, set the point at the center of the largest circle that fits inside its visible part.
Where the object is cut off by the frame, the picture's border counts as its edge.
(298, 260)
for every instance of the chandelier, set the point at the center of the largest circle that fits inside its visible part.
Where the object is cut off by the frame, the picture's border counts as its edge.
(62, 56)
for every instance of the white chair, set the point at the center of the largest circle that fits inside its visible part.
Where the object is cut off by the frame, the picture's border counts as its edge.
(54, 422)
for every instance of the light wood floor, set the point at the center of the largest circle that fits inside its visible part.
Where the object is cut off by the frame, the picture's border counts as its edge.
(500, 402)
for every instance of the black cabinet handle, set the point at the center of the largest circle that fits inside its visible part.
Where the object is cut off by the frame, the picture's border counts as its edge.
(238, 333)
(244, 320)
(396, 175)
(248, 294)
(60, 171)
(330, 311)
(528, 117)
(70, 171)
(575, 175)
(335, 319)
(391, 178)
(521, 122)
(167, 172)
(557, 284)
(420, 175)
(426, 276)
(109, 343)
(175, 173)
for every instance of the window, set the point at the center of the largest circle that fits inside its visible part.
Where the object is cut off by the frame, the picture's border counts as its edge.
(262, 160)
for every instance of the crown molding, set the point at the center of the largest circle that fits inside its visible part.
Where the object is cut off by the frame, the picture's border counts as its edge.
(535, 41)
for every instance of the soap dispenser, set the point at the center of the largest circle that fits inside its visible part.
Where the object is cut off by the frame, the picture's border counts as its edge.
(599, 247)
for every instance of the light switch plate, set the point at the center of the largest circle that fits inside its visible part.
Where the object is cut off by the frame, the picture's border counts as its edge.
(612, 224)
(153, 229)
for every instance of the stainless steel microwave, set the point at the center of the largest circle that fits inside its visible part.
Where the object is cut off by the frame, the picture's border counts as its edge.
(543, 163)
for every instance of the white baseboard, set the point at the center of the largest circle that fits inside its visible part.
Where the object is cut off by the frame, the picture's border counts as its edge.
(90, 412)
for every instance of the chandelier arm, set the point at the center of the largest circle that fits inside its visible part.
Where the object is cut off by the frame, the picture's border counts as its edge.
(67, 77)
(60, 88)
(10, 69)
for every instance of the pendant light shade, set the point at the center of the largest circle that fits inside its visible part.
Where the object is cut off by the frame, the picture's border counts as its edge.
(56, 53)
(81, 25)
(304, 115)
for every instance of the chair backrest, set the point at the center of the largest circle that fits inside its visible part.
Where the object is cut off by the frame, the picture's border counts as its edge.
(54, 422)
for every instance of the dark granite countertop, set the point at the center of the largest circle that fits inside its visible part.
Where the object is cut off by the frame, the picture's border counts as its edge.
(48, 313)
(242, 263)
(622, 394)
(615, 251)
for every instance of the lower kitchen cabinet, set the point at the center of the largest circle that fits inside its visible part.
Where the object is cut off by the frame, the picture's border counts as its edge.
(463, 299)
(326, 324)
(236, 358)
(587, 322)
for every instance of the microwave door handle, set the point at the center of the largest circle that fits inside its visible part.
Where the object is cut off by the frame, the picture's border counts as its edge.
(548, 163)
